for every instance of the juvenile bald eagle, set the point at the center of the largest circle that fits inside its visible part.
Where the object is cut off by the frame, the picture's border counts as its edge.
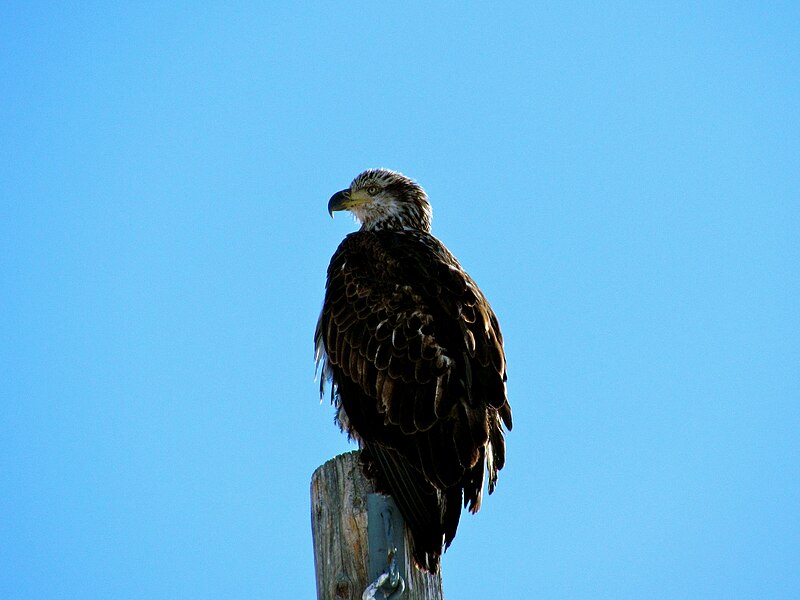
(416, 359)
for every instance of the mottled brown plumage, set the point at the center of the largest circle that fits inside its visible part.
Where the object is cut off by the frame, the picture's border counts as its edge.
(416, 358)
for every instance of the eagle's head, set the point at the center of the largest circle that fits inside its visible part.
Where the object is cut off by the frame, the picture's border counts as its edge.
(384, 199)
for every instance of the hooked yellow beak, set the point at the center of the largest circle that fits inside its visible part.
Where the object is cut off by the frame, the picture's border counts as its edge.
(344, 200)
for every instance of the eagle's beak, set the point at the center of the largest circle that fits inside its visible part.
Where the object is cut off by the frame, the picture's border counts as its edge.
(345, 200)
(339, 201)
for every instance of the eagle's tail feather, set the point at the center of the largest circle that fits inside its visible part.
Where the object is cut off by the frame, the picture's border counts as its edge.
(425, 509)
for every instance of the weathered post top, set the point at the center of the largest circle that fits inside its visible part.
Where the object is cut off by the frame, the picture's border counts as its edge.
(343, 530)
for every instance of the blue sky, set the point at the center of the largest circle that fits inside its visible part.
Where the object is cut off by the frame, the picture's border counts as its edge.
(623, 181)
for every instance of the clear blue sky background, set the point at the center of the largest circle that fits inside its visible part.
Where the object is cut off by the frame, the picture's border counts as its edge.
(622, 181)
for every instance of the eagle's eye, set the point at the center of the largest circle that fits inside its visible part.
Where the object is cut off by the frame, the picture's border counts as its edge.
(372, 190)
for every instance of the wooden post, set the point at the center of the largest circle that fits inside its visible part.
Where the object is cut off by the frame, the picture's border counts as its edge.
(339, 517)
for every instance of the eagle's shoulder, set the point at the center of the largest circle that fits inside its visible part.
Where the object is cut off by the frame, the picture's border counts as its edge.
(410, 257)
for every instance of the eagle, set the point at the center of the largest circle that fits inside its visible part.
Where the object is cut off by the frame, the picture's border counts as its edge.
(415, 357)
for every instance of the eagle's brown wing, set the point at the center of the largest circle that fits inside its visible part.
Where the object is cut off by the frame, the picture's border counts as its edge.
(416, 357)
